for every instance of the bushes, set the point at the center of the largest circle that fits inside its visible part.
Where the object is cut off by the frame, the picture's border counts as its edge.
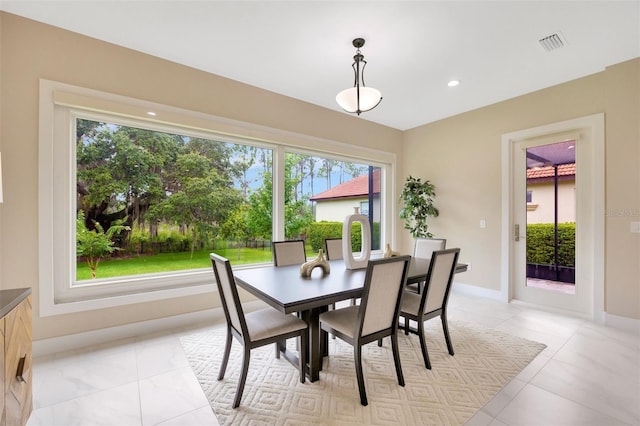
(540, 243)
(167, 241)
(319, 231)
(173, 241)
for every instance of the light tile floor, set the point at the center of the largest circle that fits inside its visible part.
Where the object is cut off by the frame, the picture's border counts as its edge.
(588, 375)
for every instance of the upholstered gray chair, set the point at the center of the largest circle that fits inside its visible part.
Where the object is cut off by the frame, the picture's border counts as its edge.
(376, 316)
(287, 253)
(333, 248)
(423, 247)
(255, 329)
(433, 301)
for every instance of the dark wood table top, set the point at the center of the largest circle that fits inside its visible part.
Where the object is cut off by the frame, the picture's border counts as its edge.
(287, 291)
(284, 288)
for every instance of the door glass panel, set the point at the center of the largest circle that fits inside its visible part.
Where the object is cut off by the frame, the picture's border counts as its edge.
(551, 216)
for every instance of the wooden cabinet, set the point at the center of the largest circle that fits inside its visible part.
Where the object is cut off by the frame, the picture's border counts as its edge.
(16, 399)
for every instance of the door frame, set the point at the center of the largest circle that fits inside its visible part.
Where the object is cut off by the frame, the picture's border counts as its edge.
(594, 126)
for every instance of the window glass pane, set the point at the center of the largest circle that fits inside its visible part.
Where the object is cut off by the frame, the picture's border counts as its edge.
(320, 192)
(150, 202)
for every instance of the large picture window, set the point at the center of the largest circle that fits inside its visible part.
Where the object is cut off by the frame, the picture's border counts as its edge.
(150, 201)
(131, 206)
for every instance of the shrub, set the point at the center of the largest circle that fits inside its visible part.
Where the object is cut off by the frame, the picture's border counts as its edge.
(319, 231)
(540, 244)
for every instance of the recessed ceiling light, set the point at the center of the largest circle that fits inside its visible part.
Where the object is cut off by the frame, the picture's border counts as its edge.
(453, 83)
(151, 113)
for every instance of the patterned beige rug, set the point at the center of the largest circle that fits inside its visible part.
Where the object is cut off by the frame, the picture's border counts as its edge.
(456, 387)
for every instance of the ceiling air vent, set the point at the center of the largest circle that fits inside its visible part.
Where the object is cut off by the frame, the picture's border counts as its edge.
(552, 42)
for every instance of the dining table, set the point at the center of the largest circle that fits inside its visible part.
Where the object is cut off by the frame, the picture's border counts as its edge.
(286, 290)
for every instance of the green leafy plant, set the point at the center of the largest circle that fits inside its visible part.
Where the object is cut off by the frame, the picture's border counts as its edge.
(417, 206)
(95, 244)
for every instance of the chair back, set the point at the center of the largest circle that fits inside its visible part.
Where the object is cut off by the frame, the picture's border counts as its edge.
(333, 248)
(289, 253)
(424, 247)
(229, 294)
(384, 284)
(439, 279)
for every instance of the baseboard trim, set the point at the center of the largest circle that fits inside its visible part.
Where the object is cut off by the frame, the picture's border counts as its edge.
(94, 337)
(473, 290)
(623, 323)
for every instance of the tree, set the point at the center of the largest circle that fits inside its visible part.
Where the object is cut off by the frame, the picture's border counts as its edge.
(326, 169)
(297, 209)
(259, 216)
(417, 206)
(95, 244)
(120, 171)
(205, 200)
(245, 158)
(236, 227)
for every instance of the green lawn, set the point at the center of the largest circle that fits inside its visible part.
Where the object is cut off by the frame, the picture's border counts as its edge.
(168, 262)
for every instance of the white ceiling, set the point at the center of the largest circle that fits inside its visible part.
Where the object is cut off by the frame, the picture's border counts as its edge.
(303, 49)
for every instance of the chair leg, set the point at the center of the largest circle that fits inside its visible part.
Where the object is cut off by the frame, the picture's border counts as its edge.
(406, 326)
(445, 328)
(225, 357)
(243, 376)
(302, 355)
(277, 350)
(423, 345)
(379, 342)
(357, 355)
(396, 358)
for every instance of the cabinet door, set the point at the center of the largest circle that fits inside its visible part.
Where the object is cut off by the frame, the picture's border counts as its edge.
(18, 361)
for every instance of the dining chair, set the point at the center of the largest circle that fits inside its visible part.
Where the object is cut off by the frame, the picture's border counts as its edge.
(376, 316)
(333, 248)
(423, 248)
(290, 252)
(286, 253)
(254, 329)
(433, 301)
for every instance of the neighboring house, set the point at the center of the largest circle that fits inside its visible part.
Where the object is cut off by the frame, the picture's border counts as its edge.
(540, 194)
(335, 203)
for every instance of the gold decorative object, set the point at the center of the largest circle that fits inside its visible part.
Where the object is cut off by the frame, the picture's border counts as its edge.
(320, 261)
(388, 252)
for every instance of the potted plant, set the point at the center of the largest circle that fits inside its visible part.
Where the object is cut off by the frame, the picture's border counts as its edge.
(417, 206)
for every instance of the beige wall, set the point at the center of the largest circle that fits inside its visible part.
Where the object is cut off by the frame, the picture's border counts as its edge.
(622, 175)
(30, 51)
(461, 155)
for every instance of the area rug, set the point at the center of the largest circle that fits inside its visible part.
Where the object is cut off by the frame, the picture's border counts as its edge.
(449, 394)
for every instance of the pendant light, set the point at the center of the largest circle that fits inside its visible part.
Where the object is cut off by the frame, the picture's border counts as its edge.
(359, 98)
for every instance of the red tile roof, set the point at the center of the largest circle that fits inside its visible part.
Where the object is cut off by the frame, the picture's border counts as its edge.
(356, 187)
(547, 172)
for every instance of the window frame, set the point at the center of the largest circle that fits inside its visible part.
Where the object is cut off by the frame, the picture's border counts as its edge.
(60, 106)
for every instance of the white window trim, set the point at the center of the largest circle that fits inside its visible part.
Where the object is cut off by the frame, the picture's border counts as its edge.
(58, 103)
